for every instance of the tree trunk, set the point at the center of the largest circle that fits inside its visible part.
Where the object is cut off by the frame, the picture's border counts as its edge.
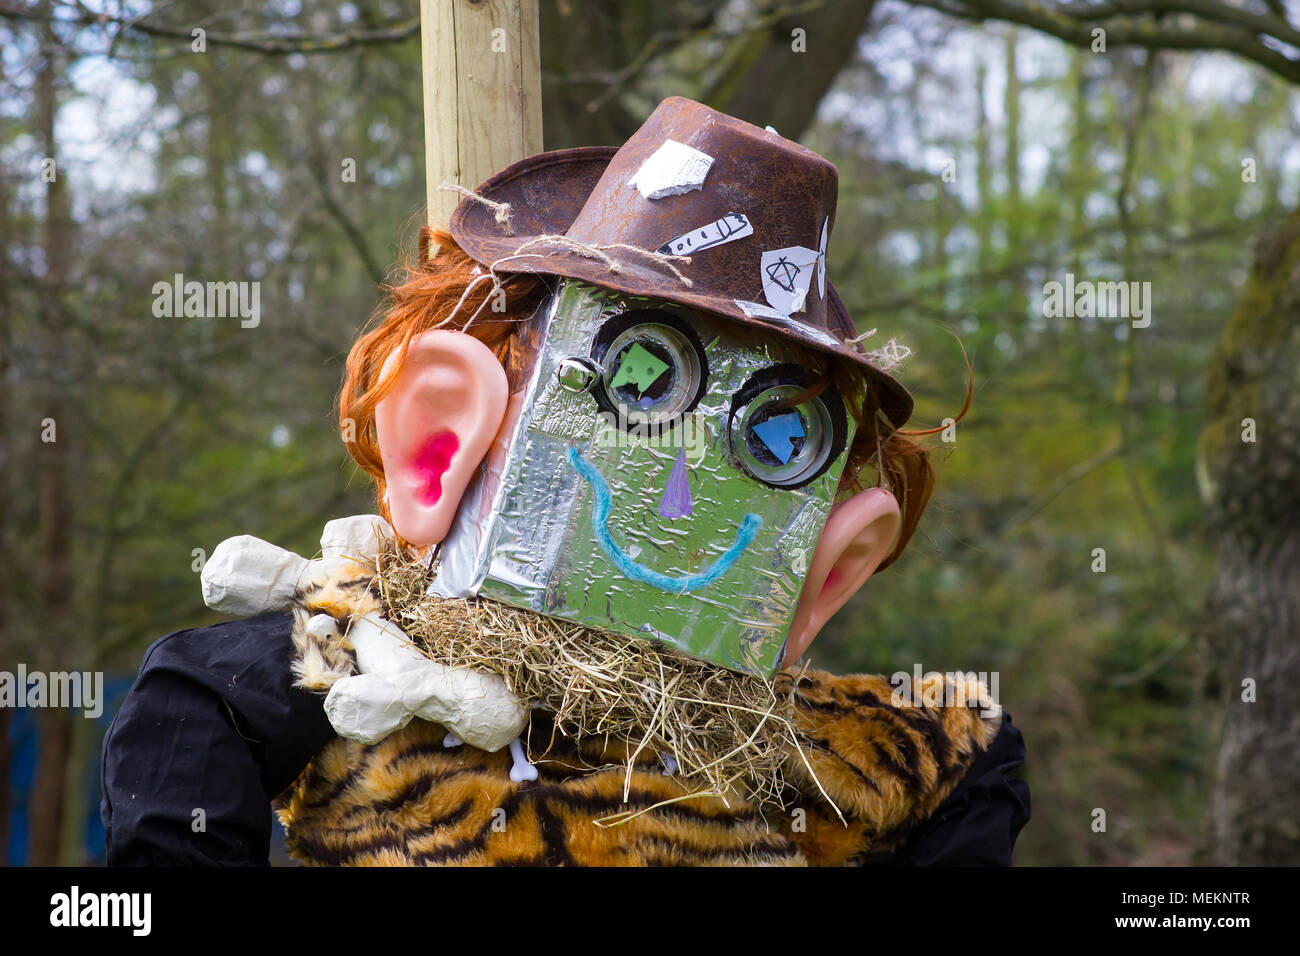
(769, 76)
(770, 82)
(1252, 616)
(54, 729)
(983, 176)
(6, 520)
(1014, 216)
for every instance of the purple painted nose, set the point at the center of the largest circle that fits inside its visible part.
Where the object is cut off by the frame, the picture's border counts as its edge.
(676, 502)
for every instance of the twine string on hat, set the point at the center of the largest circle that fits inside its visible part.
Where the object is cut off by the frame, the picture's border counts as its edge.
(500, 210)
(571, 245)
(601, 253)
(886, 358)
(662, 258)
(889, 356)
(501, 213)
(588, 250)
(498, 286)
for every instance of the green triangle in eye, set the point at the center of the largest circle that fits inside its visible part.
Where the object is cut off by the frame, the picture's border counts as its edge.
(639, 368)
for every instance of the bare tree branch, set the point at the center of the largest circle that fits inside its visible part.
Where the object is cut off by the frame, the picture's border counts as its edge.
(258, 42)
(350, 229)
(1186, 25)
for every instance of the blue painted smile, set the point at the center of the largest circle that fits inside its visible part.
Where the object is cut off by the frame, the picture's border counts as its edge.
(639, 572)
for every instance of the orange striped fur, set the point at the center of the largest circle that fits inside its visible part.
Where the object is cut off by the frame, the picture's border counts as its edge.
(409, 801)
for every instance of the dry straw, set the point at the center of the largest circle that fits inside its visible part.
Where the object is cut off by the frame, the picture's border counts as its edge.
(729, 733)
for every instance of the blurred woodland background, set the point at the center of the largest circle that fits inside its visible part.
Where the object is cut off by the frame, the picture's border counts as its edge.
(985, 148)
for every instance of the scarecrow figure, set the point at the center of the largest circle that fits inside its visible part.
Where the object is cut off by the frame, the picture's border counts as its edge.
(631, 455)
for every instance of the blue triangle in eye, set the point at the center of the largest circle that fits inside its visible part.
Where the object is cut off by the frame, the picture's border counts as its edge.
(778, 432)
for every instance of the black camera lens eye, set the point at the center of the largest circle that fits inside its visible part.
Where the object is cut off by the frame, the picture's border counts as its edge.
(645, 371)
(779, 435)
(654, 367)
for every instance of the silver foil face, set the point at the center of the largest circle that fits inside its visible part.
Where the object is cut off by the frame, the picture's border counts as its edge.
(596, 511)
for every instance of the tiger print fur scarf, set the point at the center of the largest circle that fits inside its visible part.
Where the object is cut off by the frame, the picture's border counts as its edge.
(410, 801)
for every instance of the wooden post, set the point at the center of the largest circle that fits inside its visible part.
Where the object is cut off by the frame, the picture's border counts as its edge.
(482, 92)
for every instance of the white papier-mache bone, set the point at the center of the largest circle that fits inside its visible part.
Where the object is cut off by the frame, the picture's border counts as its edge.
(395, 682)
(247, 576)
(356, 537)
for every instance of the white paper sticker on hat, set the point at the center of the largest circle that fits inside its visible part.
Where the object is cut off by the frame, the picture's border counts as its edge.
(787, 274)
(674, 168)
(729, 228)
(756, 310)
(821, 262)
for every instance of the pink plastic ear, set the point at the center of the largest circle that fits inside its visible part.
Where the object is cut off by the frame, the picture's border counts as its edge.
(434, 428)
(858, 535)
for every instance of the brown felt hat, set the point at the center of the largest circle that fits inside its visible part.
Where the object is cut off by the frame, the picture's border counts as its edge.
(752, 210)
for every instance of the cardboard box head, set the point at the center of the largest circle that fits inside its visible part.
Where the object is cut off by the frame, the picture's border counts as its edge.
(653, 477)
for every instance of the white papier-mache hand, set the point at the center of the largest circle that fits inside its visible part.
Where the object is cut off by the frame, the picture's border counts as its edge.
(395, 681)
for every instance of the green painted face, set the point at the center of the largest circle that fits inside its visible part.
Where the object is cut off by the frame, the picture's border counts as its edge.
(678, 496)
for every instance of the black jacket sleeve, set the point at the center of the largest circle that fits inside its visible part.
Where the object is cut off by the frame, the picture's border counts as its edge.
(979, 822)
(210, 732)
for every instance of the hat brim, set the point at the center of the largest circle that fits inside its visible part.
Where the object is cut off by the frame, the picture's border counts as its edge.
(547, 191)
